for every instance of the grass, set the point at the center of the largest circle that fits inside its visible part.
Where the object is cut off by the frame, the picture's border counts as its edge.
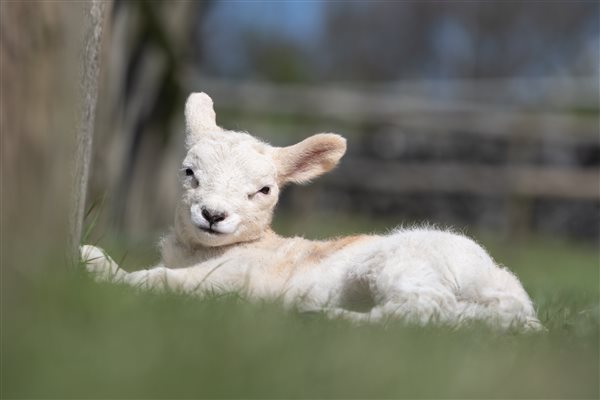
(68, 337)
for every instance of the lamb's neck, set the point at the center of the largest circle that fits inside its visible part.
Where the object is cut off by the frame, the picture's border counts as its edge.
(176, 253)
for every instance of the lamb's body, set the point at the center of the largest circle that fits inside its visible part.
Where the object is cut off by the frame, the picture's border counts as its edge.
(222, 243)
(420, 275)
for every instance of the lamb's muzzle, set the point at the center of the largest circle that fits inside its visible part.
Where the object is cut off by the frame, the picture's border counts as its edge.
(214, 222)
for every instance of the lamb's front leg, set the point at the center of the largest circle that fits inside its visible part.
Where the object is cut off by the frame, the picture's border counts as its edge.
(100, 265)
(159, 277)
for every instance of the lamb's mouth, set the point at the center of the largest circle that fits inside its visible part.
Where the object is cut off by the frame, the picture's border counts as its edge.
(210, 231)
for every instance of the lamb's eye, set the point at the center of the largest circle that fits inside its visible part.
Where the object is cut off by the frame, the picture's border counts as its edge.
(189, 172)
(265, 190)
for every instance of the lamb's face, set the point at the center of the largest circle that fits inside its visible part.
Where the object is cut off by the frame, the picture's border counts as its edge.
(230, 189)
(231, 180)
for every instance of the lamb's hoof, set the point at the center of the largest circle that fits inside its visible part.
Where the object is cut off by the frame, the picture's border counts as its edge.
(533, 325)
(98, 263)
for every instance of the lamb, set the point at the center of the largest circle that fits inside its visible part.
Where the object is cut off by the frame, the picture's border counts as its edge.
(222, 243)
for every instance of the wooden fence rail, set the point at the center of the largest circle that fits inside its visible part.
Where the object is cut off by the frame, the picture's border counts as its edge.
(521, 181)
(380, 105)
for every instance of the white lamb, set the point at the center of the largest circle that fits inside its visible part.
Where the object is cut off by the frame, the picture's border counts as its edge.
(222, 243)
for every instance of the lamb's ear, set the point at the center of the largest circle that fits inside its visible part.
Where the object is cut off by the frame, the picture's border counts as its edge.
(200, 117)
(309, 158)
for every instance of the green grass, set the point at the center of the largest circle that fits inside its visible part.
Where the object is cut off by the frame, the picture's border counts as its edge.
(68, 337)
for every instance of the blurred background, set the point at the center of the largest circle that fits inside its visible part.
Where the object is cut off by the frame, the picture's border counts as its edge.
(480, 115)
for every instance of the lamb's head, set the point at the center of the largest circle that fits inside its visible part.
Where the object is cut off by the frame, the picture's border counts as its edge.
(231, 180)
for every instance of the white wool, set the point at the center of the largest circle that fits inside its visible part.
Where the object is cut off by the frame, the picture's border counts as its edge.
(222, 242)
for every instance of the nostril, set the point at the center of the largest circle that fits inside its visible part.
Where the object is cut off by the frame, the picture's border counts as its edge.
(219, 218)
(213, 217)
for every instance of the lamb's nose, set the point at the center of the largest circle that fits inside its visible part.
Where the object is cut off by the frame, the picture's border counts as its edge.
(213, 216)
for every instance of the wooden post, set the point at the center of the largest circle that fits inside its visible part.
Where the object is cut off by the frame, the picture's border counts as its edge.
(90, 68)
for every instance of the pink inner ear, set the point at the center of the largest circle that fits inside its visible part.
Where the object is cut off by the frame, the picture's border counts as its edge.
(311, 157)
(316, 156)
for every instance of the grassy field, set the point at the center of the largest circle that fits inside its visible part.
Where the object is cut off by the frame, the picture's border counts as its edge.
(67, 337)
